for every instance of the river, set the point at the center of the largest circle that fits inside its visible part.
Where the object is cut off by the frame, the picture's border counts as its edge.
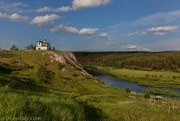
(122, 84)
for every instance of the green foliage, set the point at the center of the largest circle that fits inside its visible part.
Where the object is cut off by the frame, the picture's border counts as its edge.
(128, 90)
(75, 74)
(14, 48)
(132, 60)
(31, 47)
(147, 95)
(61, 66)
(162, 92)
(44, 74)
(4, 67)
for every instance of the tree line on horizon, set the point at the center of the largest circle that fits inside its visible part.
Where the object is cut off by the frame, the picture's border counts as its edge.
(132, 60)
(29, 47)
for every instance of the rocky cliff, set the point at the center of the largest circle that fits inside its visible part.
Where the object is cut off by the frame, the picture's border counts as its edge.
(66, 58)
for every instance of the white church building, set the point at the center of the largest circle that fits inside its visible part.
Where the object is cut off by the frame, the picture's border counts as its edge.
(43, 45)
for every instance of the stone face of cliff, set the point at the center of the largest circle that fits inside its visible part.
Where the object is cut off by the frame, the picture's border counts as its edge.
(66, 58)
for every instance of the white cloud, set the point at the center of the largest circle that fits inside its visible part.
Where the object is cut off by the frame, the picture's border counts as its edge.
(70, 29)
(163, 30)
(156, 19)
(12, 7)
(63, 9)
(15, 17)
(105, 35)
(145, 49)
(73, 30)
(44, 9)
(57, 28)
(88, 31)
(78, 4)
(5, 5)
(159, 18)
(131, 47)
(41, 20)
(135, 47)
(160, 31)
(130, 34)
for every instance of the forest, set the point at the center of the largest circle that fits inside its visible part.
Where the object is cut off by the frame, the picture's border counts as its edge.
(169, 60)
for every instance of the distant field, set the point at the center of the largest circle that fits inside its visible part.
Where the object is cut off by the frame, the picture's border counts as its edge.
(147, 78)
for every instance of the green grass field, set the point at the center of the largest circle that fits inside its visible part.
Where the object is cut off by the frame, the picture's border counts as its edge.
(163, 92)
(147, 78)
(69, 95)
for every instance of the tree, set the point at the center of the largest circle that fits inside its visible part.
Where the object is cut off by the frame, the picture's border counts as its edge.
(14, 48)
(31, 47)
(53, 48)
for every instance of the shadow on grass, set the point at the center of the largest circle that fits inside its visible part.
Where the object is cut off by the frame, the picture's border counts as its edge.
(92, 113)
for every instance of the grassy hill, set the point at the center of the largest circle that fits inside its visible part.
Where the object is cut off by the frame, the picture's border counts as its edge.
(51, 85)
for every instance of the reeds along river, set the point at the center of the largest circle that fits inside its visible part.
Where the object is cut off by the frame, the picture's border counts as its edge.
(122, 84)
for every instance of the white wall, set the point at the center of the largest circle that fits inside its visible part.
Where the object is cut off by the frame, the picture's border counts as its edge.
(41, 48)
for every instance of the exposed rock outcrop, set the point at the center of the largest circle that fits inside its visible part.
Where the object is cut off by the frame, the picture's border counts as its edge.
(55, 57)
(66, 58)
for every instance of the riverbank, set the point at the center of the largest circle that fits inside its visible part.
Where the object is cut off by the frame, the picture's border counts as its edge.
(123, 84)
(160, 79)
(163, 92)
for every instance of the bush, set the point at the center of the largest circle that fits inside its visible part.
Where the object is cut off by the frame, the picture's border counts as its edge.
(61, 66)
(45, 75)
(174, 77)
(75, 75)
(128, 90)
(147, 95)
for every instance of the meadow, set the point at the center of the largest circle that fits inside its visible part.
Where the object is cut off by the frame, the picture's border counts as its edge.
(69, 95)
(166, 79)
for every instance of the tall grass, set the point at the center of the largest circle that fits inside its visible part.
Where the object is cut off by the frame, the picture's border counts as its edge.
(27, 107)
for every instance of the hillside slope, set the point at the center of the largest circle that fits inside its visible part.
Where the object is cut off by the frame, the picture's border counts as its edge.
(52, 85)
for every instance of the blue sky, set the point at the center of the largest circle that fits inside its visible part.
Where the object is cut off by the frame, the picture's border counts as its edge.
(92, 25)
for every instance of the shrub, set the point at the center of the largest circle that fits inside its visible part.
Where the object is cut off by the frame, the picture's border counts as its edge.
(147, 95)
(174, 77)
(147, 75)
(61, 66)
(75, 75)
(128, 90)
(45, 75)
